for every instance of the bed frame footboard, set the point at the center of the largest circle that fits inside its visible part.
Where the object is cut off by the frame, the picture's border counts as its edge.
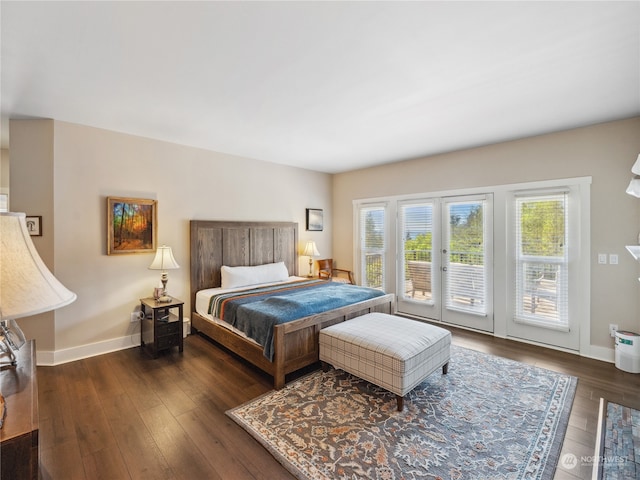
(295, 343)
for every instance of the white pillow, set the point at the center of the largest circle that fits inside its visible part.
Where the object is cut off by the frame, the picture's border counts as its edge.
(233, 277)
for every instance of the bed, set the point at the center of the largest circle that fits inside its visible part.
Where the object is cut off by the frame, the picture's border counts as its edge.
(215, 244)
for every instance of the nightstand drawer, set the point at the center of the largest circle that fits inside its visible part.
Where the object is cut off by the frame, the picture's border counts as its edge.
(170, 328)
(167, 342)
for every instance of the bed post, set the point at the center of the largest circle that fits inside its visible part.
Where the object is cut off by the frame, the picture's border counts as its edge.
(278, 357)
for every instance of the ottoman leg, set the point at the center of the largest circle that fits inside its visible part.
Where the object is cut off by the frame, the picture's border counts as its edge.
(400, 401)
(325, 366)
(445, 368)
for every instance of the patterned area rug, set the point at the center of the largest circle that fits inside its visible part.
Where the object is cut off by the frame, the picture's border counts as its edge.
(618, 447)
(488, 418)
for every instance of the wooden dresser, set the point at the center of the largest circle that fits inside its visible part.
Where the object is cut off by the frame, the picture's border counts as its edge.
(19, 453)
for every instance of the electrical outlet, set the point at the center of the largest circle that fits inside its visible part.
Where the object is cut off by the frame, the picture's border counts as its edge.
(135, 316)
(613, 329)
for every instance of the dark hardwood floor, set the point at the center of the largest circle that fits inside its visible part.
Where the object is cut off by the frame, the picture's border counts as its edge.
(123, 415)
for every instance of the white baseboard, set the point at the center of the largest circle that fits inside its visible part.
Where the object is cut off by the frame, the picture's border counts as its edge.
(595, 352)
(605, 354)
(49, 358)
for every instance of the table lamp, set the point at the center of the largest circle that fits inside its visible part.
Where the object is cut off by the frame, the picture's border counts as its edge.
(311, 251)
(164, 261)
(27, 287)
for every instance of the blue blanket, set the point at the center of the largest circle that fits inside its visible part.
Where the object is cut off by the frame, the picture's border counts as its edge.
(256, 311)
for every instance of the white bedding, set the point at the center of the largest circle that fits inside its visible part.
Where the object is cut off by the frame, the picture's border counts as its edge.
(203, 298)
(244, 276)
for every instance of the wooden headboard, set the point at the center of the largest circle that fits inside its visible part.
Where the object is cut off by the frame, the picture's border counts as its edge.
(218, 243)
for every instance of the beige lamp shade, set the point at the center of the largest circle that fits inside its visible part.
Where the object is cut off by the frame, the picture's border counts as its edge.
(164, 259)
(310, 249)
(27, 287)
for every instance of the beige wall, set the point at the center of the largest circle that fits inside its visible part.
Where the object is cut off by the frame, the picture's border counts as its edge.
(32, 168)
(84, 165)
(4, 170)
(64, 172)
(605, 152)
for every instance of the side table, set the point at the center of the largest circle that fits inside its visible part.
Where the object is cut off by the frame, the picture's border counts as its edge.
(19, 452)
(161, 325)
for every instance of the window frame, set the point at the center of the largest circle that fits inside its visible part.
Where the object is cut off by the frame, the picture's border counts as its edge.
(563, 276)
(360, 253)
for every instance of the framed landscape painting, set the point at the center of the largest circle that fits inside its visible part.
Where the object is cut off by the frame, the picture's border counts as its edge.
(132, 225)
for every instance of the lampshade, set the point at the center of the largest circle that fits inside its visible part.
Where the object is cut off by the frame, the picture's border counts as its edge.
(634, 187)
(636, 166)
(27, 287)
(310, 249)
(164, 259)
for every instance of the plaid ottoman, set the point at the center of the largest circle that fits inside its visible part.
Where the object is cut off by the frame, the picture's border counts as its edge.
(391, 352)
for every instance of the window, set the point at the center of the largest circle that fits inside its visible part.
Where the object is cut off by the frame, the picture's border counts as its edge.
(372, 245)
(541, 259)
(416, 223)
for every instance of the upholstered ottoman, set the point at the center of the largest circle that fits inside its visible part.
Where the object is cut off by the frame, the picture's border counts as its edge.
(391, 352)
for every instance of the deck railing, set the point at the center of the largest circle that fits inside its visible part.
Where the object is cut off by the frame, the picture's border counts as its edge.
(374, 268)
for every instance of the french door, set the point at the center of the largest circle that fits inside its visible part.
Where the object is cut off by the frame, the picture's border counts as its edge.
(419, 232)
(467, 258)
(447, 256)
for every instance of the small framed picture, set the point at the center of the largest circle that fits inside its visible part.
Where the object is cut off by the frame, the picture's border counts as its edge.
(34, 225)
(314, 220)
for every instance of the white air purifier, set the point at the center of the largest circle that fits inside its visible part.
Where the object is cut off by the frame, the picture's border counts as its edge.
(628, 351)
(186, 327)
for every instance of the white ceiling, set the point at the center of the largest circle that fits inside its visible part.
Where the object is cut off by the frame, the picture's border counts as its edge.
(329, 86)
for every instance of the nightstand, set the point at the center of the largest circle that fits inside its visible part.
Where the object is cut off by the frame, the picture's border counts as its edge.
(161, 325)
